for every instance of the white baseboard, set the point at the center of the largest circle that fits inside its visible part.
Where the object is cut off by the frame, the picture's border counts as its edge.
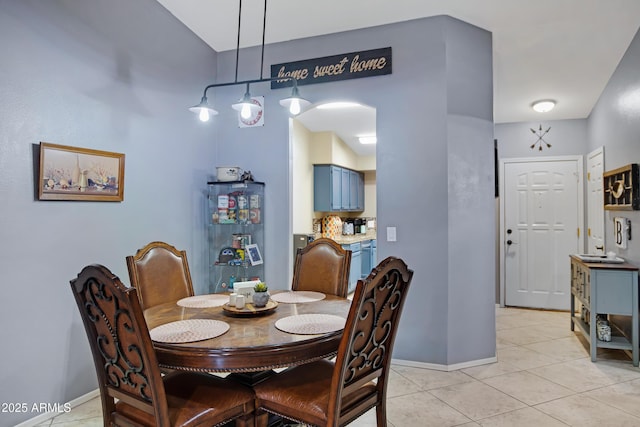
(31, 422)
(446, 368)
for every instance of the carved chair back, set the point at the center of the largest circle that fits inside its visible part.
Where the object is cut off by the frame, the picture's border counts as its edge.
(322, 266)
(365, 350)
(122, 350)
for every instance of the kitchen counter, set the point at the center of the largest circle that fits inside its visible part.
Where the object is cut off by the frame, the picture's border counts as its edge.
(347, 239)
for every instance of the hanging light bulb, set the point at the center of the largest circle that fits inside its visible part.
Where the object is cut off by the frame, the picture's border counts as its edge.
(294, 108)
(204, 110)
(203, 115)
(295, 103)
(246, 111)
(246, 106)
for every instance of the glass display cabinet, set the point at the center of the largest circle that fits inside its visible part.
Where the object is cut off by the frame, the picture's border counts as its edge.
(235, 228)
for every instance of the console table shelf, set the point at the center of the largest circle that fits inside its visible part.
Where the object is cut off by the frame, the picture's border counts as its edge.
(604, 288)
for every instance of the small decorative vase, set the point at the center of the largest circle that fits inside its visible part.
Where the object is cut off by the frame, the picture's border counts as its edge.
(260, 299)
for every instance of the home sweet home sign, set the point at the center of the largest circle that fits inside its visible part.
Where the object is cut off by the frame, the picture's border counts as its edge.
(346, 66)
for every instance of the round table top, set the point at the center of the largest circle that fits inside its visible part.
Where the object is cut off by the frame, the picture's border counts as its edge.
(252, 343)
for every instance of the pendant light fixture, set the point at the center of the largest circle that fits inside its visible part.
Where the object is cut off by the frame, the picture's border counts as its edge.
(295, 103)
(245, 105)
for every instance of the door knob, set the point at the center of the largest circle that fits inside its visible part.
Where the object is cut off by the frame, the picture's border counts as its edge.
(511, 242)
(509, 231)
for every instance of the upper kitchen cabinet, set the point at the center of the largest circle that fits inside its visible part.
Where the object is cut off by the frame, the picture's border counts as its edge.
(337, 189)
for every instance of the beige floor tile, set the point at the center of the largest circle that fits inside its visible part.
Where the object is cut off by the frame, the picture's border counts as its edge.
(477, 400)
(428, 379)
(424, 410)
(583, 375)
(528, 388)
(582, 411)
(624, 396)
(553, 330)
(491, 370)
(511, 321)
(398, 385)
(83, 413)
(503, 343)
(562, 349)
(524, 358)
(525, 417)
(87, 422)
(527, 335)
(368, 420)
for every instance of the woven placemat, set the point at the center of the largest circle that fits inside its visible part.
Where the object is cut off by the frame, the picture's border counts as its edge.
(203, 301)
(188, 330)
(295, 297)
(310, 324)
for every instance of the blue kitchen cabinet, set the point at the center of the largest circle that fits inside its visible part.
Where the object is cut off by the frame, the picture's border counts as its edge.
(354, 195)
(345, 197)
(374, 253)
(355, 268)
(360, 192)
(368, 262)
(365, 264)
(337, 189)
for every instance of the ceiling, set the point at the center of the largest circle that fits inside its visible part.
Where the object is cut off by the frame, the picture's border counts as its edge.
(564, 50)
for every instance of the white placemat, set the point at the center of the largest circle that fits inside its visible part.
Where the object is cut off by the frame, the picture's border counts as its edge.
(309, 324)
(294, 297)
(188, 330)
(203, 301)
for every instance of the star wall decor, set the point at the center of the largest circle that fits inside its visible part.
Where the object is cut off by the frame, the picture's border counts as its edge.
(540, 134)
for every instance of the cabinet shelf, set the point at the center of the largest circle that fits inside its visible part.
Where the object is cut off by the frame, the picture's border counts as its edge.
(617, 342)
(611, 289)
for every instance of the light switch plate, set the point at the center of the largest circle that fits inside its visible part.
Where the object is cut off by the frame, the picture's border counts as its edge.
(391, 234)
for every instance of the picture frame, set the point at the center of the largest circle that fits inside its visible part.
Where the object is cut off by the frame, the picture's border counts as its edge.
(81, 174)
(253, 254)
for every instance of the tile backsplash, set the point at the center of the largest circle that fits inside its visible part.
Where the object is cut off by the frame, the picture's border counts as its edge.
(317, 223)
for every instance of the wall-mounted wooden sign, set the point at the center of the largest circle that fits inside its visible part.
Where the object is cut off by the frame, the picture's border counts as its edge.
(621, 189)
(347, 66)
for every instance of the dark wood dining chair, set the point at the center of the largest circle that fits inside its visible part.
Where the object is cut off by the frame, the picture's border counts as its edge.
(326, 393)
(161, 274)
(128, 370)
(322, 266)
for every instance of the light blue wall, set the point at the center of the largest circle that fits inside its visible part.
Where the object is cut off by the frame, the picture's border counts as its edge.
(567, 138)
(434, 170)
(112, 75)
(614, 124)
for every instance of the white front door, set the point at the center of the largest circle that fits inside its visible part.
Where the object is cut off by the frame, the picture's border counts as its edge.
(595, 202)
(542, 213)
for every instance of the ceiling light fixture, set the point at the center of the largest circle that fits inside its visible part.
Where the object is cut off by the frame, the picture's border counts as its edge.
(337, 105)
(368, 139)
(295, 103)
(543, 106)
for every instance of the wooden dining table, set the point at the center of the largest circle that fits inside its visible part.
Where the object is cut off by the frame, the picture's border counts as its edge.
(252, 343)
